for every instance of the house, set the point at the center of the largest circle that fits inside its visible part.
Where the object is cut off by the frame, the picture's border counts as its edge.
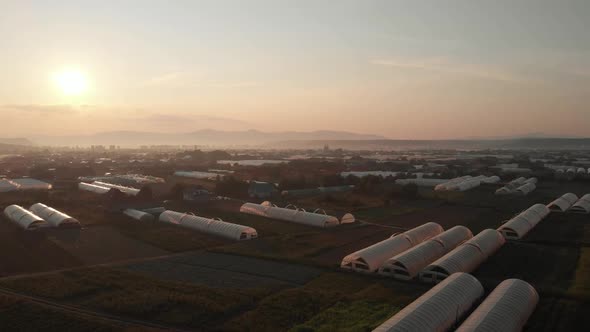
(258, 189)
(195, 193)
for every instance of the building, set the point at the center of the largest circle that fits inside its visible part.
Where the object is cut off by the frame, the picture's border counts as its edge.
(262, 190)
(195, 194)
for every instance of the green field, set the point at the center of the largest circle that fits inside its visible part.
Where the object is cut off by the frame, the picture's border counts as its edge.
(315, 306)
(19, 315)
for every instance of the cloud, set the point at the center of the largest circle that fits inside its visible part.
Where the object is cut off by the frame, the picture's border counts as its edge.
(243, 84)
(39, 108)
(164, 78)
(180, 77)
(444, 65)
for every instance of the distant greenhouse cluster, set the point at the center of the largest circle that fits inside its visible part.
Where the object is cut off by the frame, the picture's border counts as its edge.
(252, 162)
(462, 183)
(569, 172)
(199, 175)
(519, 186)
(124, 179)
(317, 191)
(465, 183)
(362, 174)
(99, 187)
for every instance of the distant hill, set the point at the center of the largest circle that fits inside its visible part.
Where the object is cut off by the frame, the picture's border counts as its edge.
(200, 137)
(15, 141)
(465, 144)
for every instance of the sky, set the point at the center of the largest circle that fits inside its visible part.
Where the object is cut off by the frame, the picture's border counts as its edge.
(401, 69)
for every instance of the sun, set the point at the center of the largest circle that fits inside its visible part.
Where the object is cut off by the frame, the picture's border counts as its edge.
(71, 82)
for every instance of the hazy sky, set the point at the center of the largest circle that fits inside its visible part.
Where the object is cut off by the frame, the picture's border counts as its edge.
(402, 69)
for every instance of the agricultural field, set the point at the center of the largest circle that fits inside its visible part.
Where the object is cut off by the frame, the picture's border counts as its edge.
(566, 229)
(286, 280)
(226, 271)
(447, 215)
(548, 268)
(29, 252)
(320, 302)
(36, 317)
(316, 246)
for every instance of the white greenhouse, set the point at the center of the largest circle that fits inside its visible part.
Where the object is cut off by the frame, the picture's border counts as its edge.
(465, 258)
(53, 217)
(93, 188)
(408, 264)
(126, 190)
(31, 184)
(503, 191)
(452, 183)
(8, 186)
(371, 258)
(491, 179)
(421, 182)
(525, 189)
(563, 203)
(295, 215)
(506, 309)
(198, 175)
(582, 205)
(138, 215)
(439, 309)
(468, 184)
(24, 218)
(517, 227)
(210, 226)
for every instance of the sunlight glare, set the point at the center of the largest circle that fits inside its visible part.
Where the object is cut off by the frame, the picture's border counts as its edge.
(70, 82)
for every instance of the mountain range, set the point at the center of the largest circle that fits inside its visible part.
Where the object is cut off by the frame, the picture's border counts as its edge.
(15, 141)
(296, 140)
(205, 137)
(459, 144)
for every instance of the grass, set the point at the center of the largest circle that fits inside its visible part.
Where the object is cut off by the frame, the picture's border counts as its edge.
(581, 284)
(137, 296)
(285, 309)
(168, 237)
(349, 316)
(331, 302)
(559, 314)
(321, 304)
(380, 213)
(19, 315)
(311, 247)
(35, 252)
(550, 269)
